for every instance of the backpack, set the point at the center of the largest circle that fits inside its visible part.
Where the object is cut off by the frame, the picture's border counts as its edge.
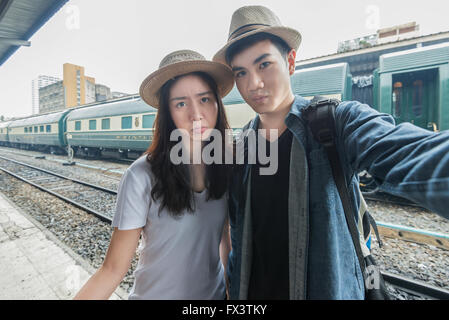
(320, 117)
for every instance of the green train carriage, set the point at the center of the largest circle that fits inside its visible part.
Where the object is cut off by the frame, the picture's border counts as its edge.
(43, 132)
(413, 86)
(330, 81)
(238, 112)
(122, 128)
(4, 139)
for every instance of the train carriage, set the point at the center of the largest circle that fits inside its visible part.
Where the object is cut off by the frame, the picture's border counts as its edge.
(4, 140)
(413, 86)
(121, 128)
(43, 132)
(331, 81)
(238, 112)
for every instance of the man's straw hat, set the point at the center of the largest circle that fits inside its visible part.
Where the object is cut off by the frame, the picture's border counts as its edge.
(250, 20)
(180, 63)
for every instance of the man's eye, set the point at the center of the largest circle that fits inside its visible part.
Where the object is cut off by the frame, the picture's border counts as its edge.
(180, 104)
(263, 65)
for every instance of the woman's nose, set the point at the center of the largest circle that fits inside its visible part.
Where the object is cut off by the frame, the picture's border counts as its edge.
(195, 112)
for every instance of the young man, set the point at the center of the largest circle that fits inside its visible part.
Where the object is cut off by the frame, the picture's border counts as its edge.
(290, 239)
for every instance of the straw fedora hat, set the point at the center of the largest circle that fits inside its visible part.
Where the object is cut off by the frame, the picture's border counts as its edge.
(183, 62)
(250, 20)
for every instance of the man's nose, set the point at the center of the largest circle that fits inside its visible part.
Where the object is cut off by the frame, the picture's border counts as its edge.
(255, 82)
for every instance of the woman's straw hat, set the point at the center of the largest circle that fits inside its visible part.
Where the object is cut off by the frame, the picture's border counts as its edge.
(183, 62)
(250, 20)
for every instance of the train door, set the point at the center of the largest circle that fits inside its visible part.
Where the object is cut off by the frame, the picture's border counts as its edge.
(414, 98)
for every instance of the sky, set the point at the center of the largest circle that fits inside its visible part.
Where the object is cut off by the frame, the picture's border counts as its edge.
(120, 42)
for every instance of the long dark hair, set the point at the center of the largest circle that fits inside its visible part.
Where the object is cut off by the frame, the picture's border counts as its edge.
(173, 185)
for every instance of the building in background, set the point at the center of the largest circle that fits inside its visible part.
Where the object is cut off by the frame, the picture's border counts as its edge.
(116, 94)
(51, 98)
(75, 89)
(102, 92)
(40, 82)
(385, 35)
(398, 33)
(78, 87)
(90, 90)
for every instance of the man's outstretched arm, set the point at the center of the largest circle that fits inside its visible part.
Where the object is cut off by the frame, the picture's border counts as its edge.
(404, 159)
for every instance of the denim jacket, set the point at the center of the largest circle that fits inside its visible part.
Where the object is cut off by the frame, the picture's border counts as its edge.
(405, 160)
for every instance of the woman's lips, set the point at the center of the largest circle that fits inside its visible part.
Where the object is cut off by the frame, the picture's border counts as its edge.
(199, 130)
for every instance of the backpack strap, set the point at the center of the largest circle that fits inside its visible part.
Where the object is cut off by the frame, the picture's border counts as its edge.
(373, 223)
(320, 116)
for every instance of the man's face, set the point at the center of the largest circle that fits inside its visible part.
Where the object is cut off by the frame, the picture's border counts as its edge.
(262, 76)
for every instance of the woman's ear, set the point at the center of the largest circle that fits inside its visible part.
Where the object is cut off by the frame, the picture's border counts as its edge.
(291, 59)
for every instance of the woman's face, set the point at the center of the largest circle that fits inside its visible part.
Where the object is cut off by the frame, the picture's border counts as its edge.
(193, 106)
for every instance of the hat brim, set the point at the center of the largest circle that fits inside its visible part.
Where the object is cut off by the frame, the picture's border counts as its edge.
(150, 87)
(289, 35)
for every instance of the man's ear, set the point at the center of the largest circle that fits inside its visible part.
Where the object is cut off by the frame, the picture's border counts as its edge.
(291, 60)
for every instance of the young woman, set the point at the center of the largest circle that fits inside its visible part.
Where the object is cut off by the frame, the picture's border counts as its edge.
(180, 209)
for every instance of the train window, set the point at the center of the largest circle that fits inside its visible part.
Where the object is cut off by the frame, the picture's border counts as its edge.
(41, 129)
(417, 97)
(397, 97)
(92, 124)
(35, 130)
(30, 129)
(126, 122)
(26, 130)
(106, 124)
(148, 121)
(77, 125)
(48, 128)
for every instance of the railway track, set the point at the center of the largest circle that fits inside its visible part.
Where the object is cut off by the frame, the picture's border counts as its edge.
(414, 287)
(81, 194)
(106, 170)
(84, 196)
(387, 198)
(44, 155)
(402, 232)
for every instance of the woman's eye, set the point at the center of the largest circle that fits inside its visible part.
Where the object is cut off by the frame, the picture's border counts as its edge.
(263, 65)
(205, 99)
(180, 105)
(240, 74)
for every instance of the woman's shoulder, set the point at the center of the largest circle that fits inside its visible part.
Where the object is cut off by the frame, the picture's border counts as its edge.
(141, 169)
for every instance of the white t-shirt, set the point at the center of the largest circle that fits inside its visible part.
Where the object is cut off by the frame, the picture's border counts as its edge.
(179, 257)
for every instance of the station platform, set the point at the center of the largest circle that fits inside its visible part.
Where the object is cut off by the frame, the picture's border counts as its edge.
(34, 264)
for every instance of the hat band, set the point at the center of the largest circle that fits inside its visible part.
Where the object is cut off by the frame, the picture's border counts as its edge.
(245, 29)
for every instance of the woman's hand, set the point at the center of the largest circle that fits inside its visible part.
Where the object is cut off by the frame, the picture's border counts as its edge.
(115, 266)
(225, 248)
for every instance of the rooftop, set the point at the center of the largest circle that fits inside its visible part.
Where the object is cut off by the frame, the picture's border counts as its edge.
(20, 20)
